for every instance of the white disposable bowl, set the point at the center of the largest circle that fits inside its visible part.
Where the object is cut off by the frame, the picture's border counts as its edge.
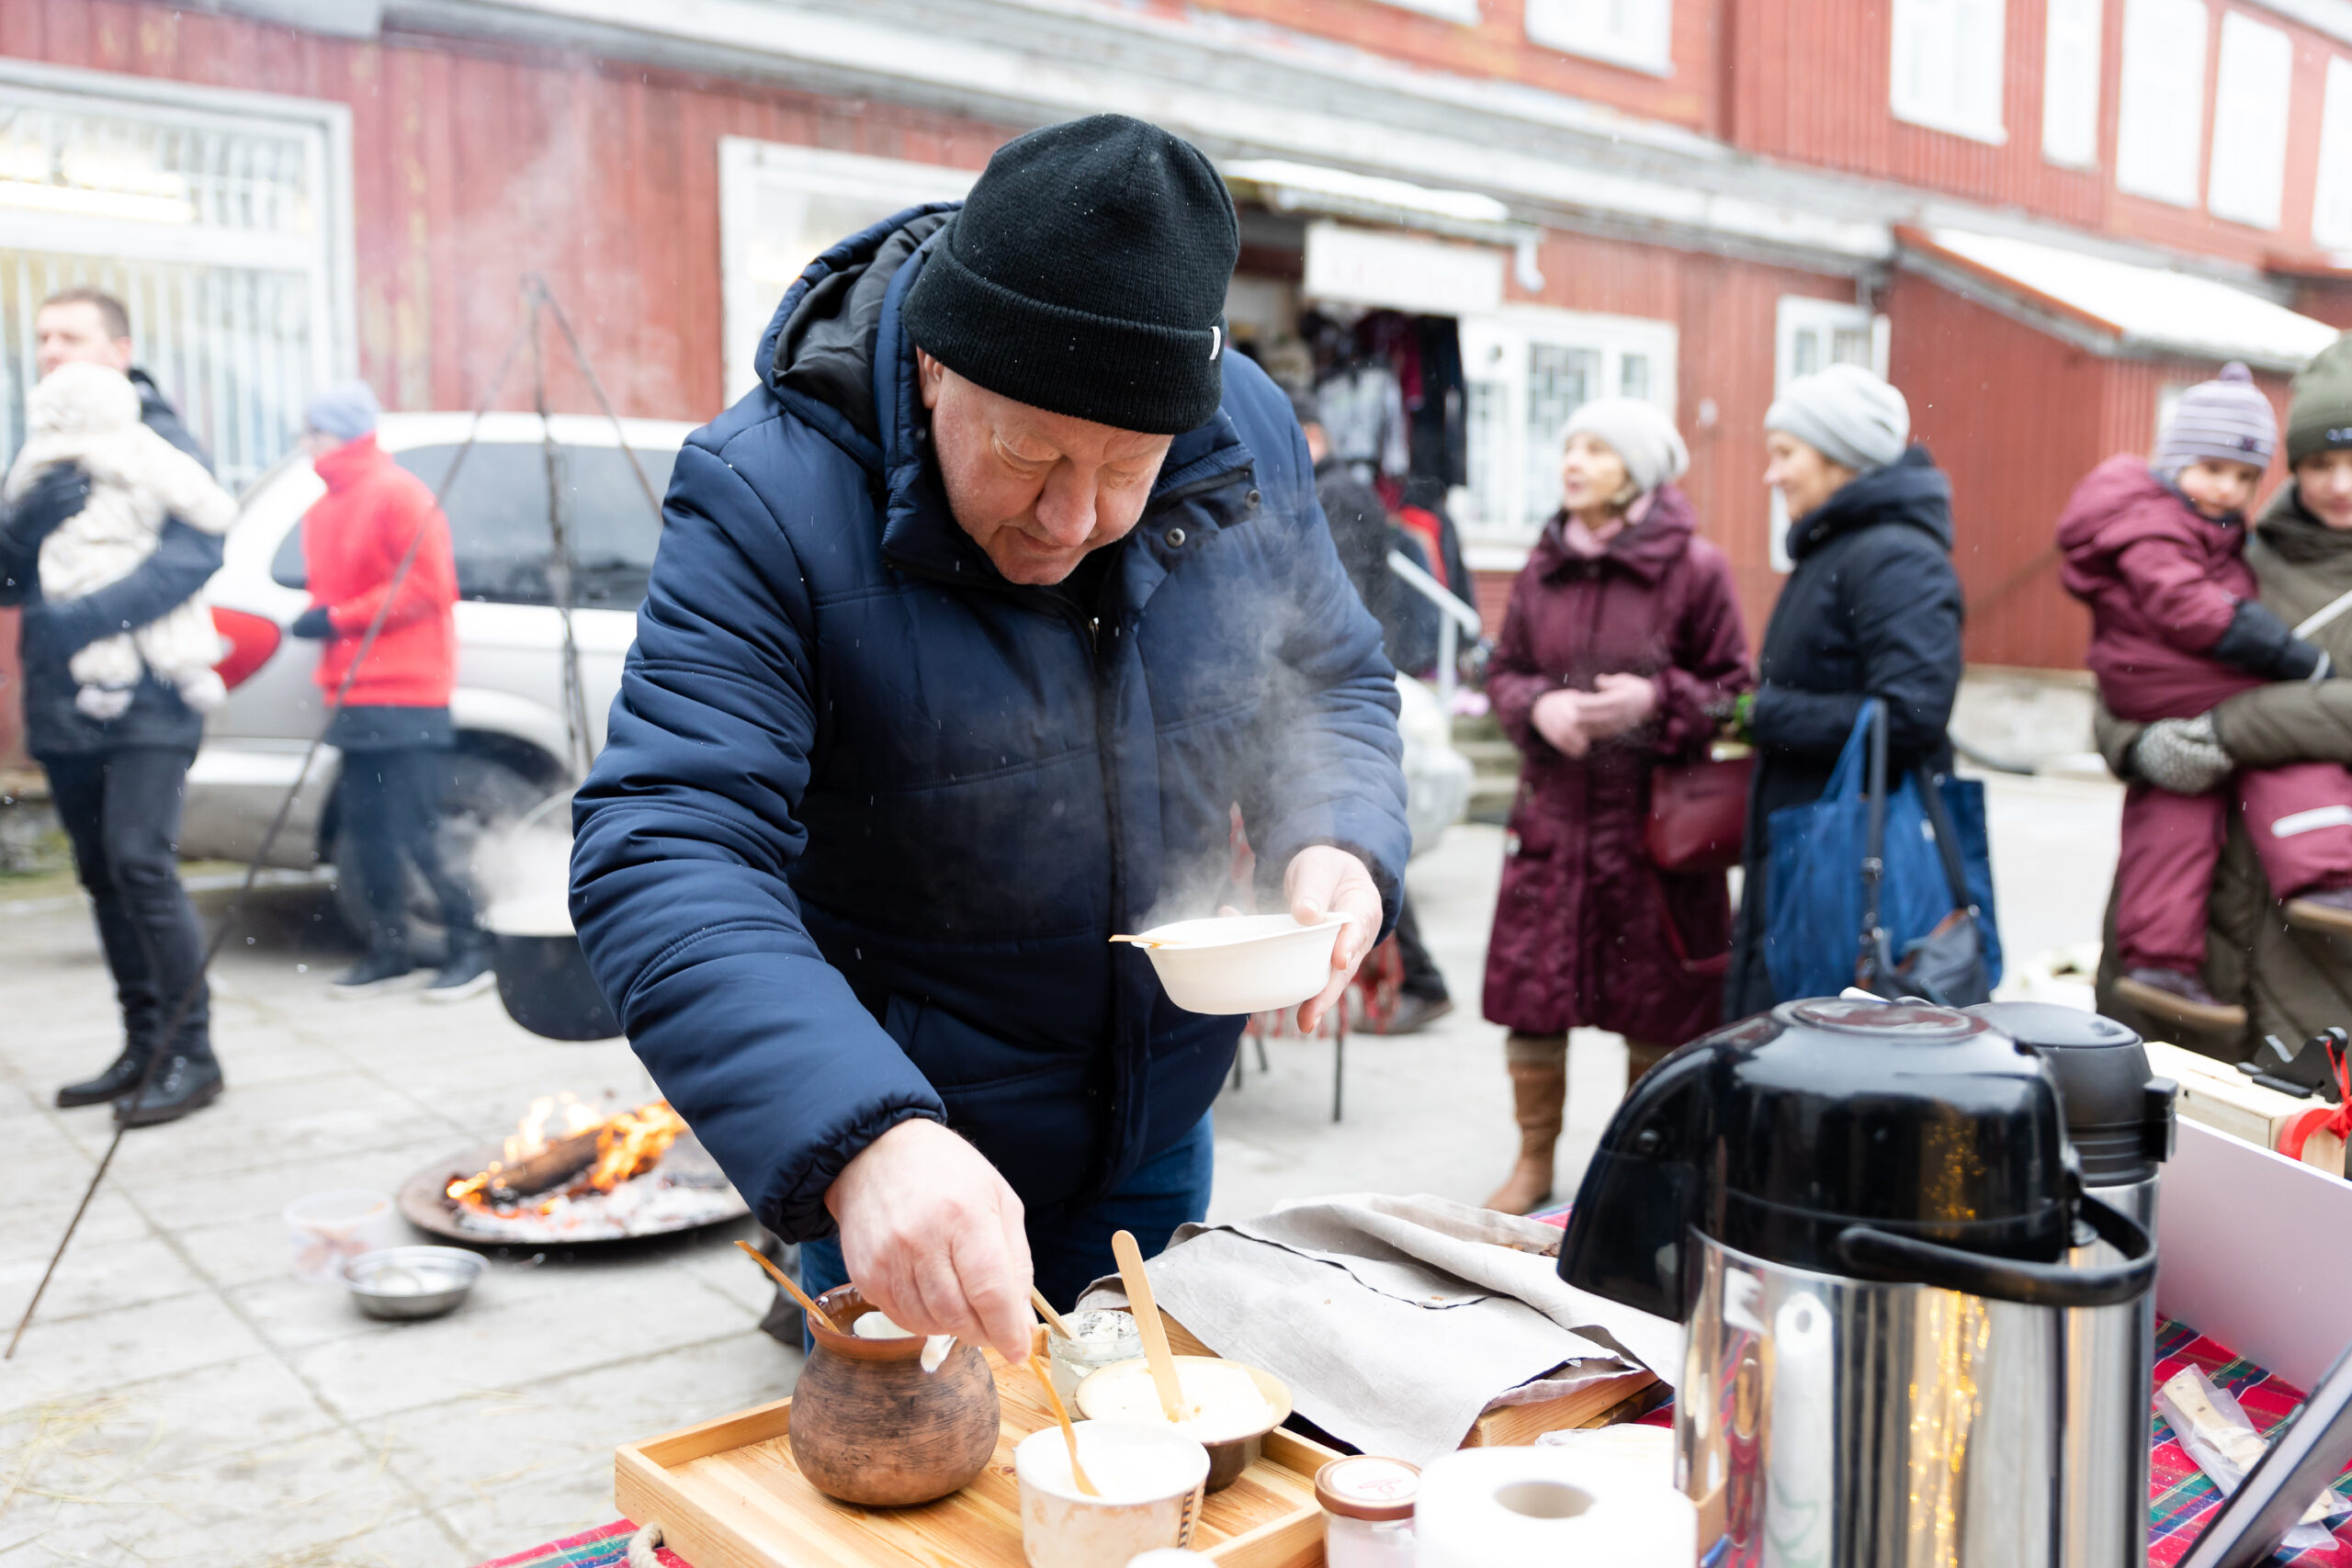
(1243, 963)
(1151, 1479)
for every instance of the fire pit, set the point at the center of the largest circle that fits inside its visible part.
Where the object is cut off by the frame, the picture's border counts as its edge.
(571, 1173)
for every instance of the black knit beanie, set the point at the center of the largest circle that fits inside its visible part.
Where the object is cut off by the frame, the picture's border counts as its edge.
(1085, 276)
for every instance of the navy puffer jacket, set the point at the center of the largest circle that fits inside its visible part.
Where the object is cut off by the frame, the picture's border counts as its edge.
(867, 812)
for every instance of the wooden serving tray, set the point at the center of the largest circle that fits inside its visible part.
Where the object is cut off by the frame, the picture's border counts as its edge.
(727, 1495)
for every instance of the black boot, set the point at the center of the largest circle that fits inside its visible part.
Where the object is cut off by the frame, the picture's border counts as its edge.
(184, 1083)
(119, 1079)
(378, 971)
(469, 971)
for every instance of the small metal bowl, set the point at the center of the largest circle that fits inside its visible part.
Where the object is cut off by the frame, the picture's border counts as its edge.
(402, 1282)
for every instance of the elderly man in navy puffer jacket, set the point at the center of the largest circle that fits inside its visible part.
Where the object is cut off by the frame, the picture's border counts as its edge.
(973, 626)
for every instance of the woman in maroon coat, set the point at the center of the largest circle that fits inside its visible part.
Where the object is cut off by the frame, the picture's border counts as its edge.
(1623, 649)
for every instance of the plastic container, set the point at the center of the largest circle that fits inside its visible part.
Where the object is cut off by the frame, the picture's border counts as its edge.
(1237, 964)
(1151, 1480)
(1368, 1511)
(327, 1230)
(1107, 1336)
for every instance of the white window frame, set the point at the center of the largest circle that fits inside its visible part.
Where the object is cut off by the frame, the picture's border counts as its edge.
(2160, 100)
(2250, 114)
(2073, 51)
(752, 172)
(1462, 11)
(1965, 96)
(2331, 197)
(1636, 34)
(1795, 316)
(1499, 517)
(95, 244)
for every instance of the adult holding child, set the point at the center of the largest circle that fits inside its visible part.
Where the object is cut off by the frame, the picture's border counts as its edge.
(2270, 963)
(1623, 649)
(118, 777)
(1870, 609)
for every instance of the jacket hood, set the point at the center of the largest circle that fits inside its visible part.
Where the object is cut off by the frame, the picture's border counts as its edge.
(1648, 548)
(2122, 502)
(1910, 490)
(349, 463)
(2297, 534)
(819, 349)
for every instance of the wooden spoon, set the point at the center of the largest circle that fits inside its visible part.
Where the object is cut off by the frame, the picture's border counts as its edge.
(790, 1288)
(1154, 1332)
(1039, 1363)
(1139, 940)
(1051, 1317)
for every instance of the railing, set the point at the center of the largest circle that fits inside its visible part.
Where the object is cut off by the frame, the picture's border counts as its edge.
(1454, 617)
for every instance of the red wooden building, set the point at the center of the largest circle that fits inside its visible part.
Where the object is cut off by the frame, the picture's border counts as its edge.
(2038, 216)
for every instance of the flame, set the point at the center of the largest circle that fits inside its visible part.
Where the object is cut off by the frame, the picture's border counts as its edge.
(628, 1143)
(632, 1142)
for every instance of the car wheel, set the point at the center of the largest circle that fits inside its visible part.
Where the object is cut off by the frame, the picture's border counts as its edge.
(482, 799)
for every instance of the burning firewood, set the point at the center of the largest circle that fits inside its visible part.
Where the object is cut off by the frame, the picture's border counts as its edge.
(592, 1155)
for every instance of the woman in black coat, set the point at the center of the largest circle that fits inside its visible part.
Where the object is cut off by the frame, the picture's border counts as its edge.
(1872, 609)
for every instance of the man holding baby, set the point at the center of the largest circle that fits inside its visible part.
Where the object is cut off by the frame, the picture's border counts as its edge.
(976, 628)
(116, 772)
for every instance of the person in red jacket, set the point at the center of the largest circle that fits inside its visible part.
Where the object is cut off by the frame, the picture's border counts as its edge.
(393, 726)
(2155, 548)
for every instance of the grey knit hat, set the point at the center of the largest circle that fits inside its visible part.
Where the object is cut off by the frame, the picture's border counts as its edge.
(346, 410)
(2225, 420)
(1846, 414)
(1643, 437)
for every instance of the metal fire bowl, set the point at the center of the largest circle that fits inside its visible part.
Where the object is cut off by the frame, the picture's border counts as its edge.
(687, 1164)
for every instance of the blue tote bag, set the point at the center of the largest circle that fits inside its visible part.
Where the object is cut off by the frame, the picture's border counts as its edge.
(1934, 932)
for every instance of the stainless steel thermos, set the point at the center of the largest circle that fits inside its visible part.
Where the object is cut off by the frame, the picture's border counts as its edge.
(1871, 1219)
(2119, 1123)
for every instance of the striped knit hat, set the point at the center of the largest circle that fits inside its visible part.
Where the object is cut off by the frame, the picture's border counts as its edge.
(2226, 420)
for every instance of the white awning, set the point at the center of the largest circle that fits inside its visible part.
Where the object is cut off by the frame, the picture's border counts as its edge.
(2120, 307)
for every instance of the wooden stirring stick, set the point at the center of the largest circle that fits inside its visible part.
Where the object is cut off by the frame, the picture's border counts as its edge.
(791, 1289)
(1139, 940)
(1154, 1332)
(1041, 1363)
(1051, 1317)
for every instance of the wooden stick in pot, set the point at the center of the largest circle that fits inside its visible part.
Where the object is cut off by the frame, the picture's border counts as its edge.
(791, 1286)
(1042, 1364)
(1147, 1323)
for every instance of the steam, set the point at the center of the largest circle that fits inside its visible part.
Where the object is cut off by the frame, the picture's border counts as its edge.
(525, 874)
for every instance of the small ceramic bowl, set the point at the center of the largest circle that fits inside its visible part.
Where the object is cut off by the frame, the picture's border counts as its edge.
(1229, 1456)
(1243, 963)
(404, 1283)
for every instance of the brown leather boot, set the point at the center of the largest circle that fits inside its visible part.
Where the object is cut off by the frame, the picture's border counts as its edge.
(1539, 1084)
(1640, 1057)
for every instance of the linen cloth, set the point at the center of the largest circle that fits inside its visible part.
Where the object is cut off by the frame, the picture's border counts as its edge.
(1397, 1322)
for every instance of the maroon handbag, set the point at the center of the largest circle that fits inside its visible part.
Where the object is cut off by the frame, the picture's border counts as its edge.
(1698, 819)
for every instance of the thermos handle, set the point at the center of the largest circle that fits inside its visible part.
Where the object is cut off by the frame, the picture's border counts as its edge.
(1906, 1260)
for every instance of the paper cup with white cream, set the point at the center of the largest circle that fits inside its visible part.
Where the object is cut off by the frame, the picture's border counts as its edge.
(1150, 1479)
(1228, 1408)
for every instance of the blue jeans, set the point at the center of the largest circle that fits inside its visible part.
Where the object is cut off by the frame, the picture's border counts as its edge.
(1070, 1252)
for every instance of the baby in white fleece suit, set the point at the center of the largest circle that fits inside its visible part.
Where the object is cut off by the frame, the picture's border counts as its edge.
(89, 414)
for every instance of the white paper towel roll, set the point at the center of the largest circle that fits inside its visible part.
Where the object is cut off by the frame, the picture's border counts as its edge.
(1501, 1508)
(1798, 1482)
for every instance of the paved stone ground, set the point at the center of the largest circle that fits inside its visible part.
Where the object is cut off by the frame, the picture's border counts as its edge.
(184, 1400)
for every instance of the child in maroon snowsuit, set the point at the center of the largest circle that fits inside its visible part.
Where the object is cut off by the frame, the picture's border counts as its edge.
(2156, 550)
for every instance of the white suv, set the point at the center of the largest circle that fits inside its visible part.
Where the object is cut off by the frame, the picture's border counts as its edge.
(515, 745)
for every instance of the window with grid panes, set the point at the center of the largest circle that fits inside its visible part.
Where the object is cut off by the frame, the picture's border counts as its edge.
(224, 234)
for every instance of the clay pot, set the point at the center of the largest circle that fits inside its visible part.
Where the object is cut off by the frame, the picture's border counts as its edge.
(870, 1427)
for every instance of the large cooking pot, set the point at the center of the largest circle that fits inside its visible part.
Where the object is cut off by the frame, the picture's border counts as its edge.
(543, 977)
